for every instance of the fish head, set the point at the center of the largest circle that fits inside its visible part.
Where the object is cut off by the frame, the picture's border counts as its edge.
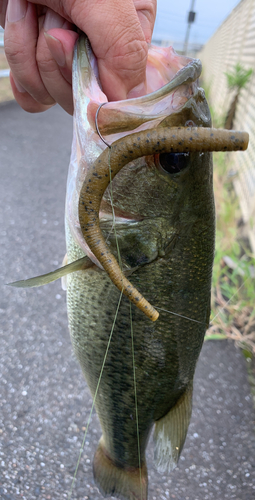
(153, 188)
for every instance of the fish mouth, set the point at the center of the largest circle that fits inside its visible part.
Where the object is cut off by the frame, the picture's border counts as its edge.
(171, 80)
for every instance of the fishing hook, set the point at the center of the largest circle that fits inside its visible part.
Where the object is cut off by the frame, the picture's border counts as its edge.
(97, 128)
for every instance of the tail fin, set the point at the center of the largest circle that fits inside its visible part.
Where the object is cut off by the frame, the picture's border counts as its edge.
(125, 483)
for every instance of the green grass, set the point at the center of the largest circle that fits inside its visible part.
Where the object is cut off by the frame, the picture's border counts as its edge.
(233, 284)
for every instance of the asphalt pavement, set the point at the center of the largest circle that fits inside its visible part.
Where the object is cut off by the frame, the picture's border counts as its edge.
(44, 401)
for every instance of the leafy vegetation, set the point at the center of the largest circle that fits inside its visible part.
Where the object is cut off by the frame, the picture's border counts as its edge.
(237, 80)
(239, 77)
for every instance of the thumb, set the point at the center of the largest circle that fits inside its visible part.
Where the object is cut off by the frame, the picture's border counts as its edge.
(118, 41)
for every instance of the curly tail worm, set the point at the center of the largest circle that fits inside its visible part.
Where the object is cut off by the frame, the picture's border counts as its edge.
(158, 140)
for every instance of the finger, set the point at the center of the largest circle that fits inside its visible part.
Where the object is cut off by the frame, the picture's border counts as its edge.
(21, 32)
(54, 80)
(61, 45)
(3, 8)
(25, 100)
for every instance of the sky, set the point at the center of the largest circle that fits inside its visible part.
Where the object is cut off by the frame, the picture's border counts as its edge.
(171, 21)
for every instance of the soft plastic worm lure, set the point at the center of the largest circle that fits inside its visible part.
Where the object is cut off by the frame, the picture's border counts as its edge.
(149, 142)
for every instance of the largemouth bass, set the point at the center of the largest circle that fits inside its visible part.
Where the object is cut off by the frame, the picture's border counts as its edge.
(157, 219)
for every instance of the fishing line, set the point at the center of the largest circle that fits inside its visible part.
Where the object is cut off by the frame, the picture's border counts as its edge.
(181, 316)
(110, 175)
(113, 213)
(96, 124)
(136, 406)
(201, 322)
(94, 400)
(222, 308)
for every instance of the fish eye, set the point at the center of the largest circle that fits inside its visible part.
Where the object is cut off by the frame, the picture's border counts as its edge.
(172, 163)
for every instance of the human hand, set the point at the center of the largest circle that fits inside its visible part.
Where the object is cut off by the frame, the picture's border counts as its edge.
(39, 43)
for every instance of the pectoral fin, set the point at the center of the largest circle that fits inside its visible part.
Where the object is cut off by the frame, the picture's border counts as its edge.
(170, 433)
(44, 279)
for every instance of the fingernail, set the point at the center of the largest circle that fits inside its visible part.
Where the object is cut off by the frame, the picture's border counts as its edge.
(52, 20)
(16, 10)
(18, 86)
(56, 49)
(138, 91)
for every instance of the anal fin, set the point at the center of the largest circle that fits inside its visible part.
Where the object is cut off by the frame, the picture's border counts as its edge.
(127, 483)
(170, 433)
